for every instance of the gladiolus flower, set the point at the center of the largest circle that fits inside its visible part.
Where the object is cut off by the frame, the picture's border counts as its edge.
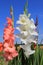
(1, 46)
(9, 37)
(10, 52)
(27, 33)
(9, 20)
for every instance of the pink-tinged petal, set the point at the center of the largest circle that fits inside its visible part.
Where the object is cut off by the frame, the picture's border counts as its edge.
(6, 44)
(10, 57)
(5, 32)
(10, 49)
(10, 27)
(14, 54)
(1, 46)
(7, 56)
(6, 37)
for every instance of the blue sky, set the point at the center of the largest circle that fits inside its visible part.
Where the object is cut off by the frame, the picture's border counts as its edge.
(35, 7)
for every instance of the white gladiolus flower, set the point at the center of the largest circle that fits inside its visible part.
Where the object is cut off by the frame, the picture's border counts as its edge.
(27, 50)
(27, 23)
(25, 27)
(27, 33)
(24, 20)
(19, 22)
(24, 41)
(28, 53)
(33, 32)
(22, 35)
(28, 40)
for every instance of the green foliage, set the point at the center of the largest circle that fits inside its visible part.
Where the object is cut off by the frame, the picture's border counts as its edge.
(21, 59)
(2, 60)
(35, 59)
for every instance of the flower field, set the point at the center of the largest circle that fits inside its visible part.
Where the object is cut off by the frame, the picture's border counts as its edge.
(28, 52)
(21, 59)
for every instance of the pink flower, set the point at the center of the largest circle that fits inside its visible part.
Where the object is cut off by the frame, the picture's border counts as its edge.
(1, 47)
(7, 56)
(9, 38)
(9, 20)
(10, 52)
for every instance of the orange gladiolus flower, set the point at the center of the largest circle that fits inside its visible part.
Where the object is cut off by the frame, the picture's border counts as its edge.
(9, 37)
(9, 20)
(1, 46)
(10, 51)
